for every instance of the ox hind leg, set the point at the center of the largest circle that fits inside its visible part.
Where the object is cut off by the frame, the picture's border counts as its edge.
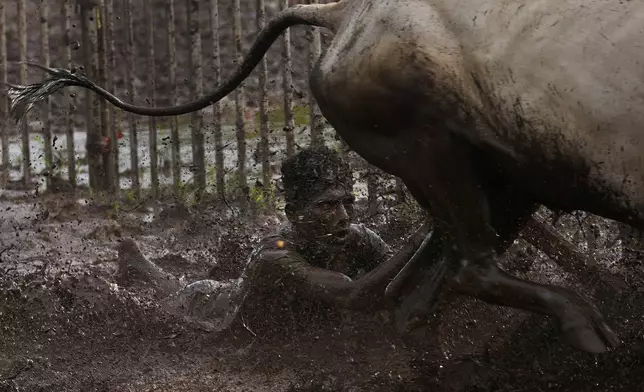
(482, 218)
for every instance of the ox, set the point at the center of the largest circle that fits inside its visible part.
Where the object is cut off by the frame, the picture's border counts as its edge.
(485, 109)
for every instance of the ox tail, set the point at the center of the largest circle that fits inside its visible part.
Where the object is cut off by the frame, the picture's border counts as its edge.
(23, 98)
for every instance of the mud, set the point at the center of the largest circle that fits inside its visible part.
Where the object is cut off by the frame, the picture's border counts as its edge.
(67, 325)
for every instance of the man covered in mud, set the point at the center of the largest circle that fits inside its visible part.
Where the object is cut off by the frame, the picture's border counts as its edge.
(317, 263)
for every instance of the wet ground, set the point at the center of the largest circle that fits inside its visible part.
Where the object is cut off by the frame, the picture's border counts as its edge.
(66, 325)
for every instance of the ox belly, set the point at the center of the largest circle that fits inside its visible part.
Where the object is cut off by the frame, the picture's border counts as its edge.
(565, 82)
(556, 119)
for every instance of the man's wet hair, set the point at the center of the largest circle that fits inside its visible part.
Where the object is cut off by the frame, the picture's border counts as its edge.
(311, 171)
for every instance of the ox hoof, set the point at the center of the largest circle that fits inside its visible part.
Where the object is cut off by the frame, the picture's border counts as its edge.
(584, 326)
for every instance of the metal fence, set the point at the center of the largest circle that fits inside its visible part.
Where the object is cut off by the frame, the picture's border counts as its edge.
(160, 52)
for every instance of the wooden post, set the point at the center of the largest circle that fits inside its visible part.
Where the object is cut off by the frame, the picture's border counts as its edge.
(4, 102)
(95, 133)
(239, 109)
(22, 44)
(343, 147)
(69, 118)
(92, 124)
(263, 107)
(174, 121)
(104, 179)
(287, 86)
(371, 172)
(129, 69)
(152, 123)
(112, 158)
(216, 107)
(196, 118)
(315, 117)
(400, 191)
(46, 111)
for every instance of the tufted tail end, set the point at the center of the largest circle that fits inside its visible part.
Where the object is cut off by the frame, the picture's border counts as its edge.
(23, 98)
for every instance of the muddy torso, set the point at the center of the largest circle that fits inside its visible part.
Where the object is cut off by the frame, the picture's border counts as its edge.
(558, 113)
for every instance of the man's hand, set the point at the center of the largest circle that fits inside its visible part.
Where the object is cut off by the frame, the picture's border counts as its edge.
(280, 258)
(369, 291)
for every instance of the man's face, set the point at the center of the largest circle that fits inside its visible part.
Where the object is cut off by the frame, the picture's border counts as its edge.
(327, 216)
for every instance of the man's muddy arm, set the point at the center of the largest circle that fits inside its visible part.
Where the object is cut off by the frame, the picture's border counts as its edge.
(319, 284)
(334, 288)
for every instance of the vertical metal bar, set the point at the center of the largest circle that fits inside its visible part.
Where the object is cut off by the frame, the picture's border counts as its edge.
(129, 69)
(216, 107)
(69, 119)
(152, 124)
(22, 40)
(287, 86)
